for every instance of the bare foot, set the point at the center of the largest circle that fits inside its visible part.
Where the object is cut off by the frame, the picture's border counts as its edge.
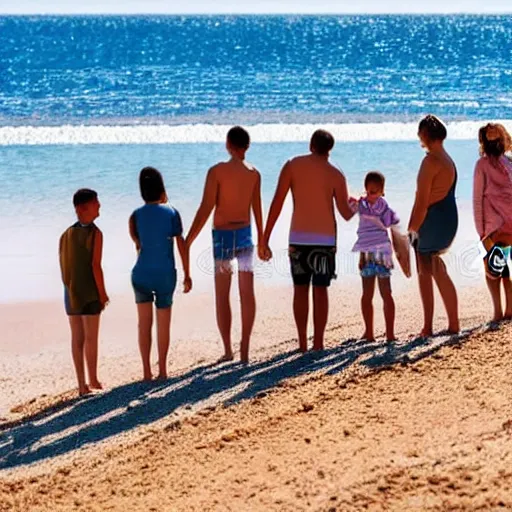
(425, 333)
(367, 337)
(147, 377)
(96, 384)
(303, 347)
(391, 338)
(162, 376)
(318, 343)
(225, 358)
(84, 391)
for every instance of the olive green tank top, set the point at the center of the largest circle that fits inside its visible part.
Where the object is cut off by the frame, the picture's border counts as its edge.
(75, 253)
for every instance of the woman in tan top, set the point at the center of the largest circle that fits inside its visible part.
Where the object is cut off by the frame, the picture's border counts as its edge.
(434, 222)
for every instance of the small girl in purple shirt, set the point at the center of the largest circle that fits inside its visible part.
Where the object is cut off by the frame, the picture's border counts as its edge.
(376, 251)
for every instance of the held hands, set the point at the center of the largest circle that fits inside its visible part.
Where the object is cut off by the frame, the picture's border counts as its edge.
(353, 203)
(264, 252)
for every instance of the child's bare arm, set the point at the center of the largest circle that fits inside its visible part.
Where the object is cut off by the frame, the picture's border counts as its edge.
(183, 249)
(205, 208)
(96, 267)
(64, 270)
(133, 231)
(256, 208)
(283, 186)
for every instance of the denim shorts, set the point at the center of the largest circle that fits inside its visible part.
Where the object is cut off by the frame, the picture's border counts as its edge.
(231, 244)
(158, 287)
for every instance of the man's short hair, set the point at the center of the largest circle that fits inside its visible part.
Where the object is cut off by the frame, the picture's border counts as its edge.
(375, 177)
(239, 137)
(322, 142)
(433, 127)
(84, 196)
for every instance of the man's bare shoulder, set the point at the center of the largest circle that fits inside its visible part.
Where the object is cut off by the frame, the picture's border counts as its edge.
(298, 160)
(335, 169)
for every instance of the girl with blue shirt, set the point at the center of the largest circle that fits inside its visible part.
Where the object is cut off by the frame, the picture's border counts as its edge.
(153, 228)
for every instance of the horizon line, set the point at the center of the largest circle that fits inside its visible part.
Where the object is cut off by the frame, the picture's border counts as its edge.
(330, 13)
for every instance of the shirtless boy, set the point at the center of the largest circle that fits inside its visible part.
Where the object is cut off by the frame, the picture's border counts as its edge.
(316, 185)
(232, 188)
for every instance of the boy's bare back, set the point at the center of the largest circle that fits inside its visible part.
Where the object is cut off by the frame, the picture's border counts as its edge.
(234, 184)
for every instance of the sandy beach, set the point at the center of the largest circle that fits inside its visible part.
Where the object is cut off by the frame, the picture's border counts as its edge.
(36, 357)
(417, 425)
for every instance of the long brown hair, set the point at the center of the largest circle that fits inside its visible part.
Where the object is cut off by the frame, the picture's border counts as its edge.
(494, 140)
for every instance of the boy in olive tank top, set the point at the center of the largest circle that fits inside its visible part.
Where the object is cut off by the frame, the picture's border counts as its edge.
(80, 250)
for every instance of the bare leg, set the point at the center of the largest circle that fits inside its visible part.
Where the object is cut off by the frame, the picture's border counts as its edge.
(301, 312)
(91, 325)
(248, 309)
(495, 290)
(163, 326)
(145, 313)
(448, 294)
(367, 307)
(507, 286)
(320, 314)
(426, 284)
(223, 307)
(389, 307)
(77, 350)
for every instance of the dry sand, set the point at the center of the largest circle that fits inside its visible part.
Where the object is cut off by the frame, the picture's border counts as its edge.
(417, 425)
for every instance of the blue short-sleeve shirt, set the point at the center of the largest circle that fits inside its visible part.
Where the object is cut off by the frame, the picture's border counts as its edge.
(156, 226)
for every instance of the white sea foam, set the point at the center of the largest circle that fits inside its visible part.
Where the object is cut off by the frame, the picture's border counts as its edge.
(197, 133)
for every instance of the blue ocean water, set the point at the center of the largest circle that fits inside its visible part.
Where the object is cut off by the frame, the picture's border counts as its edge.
(88, 101)
(144, 69)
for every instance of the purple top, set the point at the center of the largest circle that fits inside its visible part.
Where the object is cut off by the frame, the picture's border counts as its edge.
(374, 221)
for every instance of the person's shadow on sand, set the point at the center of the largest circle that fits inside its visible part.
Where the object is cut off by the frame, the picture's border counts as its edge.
(71, 425)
